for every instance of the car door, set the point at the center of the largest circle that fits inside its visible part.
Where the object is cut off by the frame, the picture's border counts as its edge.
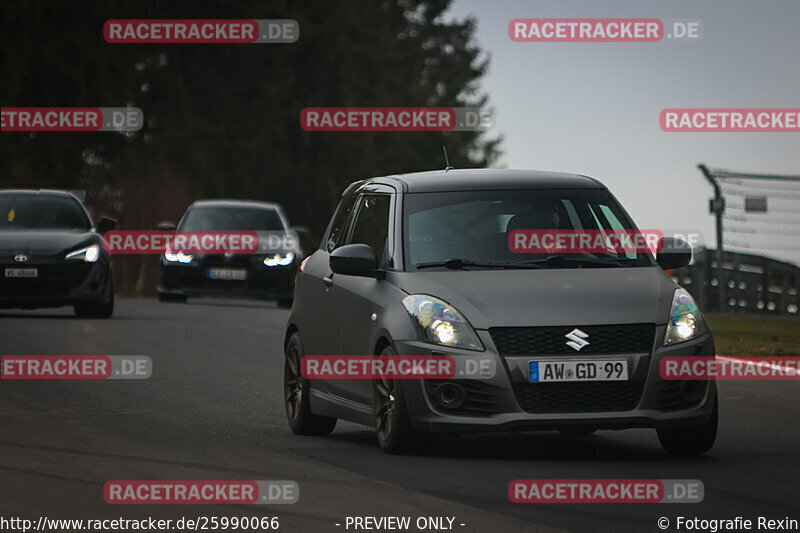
(356, 298)
(313, 302)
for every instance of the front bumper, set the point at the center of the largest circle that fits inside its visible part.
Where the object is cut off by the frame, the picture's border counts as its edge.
(261, 282)
(507, 402)
(57, 284)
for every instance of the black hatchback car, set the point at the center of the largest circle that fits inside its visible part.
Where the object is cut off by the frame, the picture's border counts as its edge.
(52, 256)
(267, 274)
(420, 265)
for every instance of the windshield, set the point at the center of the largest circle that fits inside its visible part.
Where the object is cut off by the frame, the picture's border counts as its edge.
(42, 212)
(471, 229)
(231, 218)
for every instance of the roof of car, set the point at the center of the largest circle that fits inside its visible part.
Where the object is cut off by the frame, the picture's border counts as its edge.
(489, 179)
(45, 192)
(236, 203)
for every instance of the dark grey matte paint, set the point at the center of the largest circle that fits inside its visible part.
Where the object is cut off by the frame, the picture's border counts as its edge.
(333, 312)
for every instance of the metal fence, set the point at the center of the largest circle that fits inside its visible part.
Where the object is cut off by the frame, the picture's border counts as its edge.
(741, 283)
(758, 213)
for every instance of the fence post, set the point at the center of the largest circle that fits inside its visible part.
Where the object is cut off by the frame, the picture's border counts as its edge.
(718, 208)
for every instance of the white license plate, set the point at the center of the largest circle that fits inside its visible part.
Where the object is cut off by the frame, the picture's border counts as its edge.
(235, 274)
(552, 371)
(22, 272)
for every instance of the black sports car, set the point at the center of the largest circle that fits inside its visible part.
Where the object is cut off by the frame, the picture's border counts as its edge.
(51, 256)
(266, 274)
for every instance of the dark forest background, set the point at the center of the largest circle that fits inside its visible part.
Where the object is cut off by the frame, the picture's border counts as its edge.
(224, 120)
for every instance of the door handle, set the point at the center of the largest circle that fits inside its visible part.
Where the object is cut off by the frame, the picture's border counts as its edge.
(328, 281)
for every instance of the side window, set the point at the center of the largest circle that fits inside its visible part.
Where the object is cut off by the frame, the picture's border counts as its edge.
(371, 225)
(338, 230)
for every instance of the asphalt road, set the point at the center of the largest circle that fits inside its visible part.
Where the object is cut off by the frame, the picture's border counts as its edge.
(213, 410)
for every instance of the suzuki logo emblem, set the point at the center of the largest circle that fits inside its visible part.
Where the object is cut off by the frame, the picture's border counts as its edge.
(20, 258)
(577, 339)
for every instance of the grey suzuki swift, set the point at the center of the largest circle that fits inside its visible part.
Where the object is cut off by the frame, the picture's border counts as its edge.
(423, 265)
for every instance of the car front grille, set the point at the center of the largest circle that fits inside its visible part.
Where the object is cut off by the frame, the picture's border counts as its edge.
(617, 339)
(586, 397)
(233, 261)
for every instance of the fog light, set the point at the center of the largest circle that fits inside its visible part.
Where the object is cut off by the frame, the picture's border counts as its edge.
(450, 395)
(692, 391)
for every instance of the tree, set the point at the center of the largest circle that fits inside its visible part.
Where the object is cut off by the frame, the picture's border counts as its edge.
(224, 120)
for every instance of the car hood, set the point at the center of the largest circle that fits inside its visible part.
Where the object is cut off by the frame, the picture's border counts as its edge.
(43, 243)
(550, 297)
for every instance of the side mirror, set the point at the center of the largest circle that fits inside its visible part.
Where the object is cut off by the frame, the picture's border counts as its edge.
(105, 225)
(354, 260)
(166, 225)
(673, 253)
(300, 230)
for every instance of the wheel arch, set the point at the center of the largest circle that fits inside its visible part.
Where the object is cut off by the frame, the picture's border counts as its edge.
(290, 330)
(382, 342)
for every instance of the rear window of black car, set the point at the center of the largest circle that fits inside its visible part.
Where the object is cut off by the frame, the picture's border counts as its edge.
(42, 212)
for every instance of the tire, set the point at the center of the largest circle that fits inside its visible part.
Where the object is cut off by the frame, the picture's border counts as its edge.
(392, 424)
(296, 395)
(284, 303)
(103, 309)
(689, 441)
(172, 298)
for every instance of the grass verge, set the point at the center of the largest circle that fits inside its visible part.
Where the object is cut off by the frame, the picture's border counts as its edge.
(755, 335)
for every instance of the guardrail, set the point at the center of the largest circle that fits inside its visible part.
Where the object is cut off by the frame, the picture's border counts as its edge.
(750, 283)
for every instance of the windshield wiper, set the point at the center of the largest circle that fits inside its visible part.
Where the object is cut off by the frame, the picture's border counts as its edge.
(571, 260)
(459, 264)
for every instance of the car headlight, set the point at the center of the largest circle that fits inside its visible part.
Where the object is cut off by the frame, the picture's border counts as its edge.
(279, 260)
(90, 254)
(179, 257)
(684, 319)
(439, 323)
